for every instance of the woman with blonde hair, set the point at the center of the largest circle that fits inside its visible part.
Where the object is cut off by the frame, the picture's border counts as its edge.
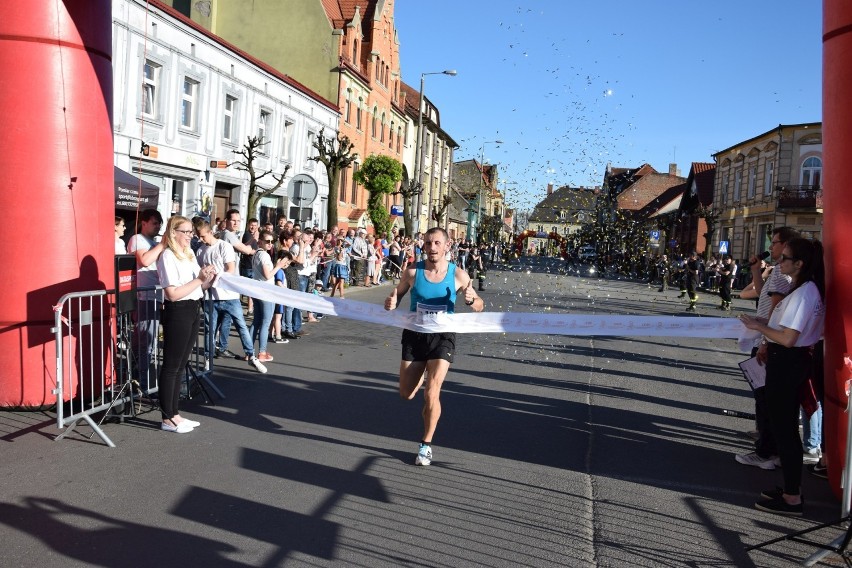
(183, 283)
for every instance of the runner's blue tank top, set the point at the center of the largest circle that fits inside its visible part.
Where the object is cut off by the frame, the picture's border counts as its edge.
(442, 294)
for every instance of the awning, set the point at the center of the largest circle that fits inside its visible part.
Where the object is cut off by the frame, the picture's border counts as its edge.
(133, 193)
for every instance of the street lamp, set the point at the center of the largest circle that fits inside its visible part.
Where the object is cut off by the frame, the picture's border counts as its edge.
(419, 149)
(480, 202)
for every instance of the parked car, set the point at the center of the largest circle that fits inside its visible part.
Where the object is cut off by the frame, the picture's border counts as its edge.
(587, 253)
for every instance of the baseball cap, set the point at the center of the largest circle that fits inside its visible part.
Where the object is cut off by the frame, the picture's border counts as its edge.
(318, 283)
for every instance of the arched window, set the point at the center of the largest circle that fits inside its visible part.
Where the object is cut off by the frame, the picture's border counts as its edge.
(398, 137)
(355, 51)
(375, 121)
(358, 114)
(348, 111)
(382, 129)
(812, 171)
(390, 136)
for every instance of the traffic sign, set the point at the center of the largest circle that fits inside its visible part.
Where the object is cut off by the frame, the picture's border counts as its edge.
(655, 235)
(723, 247)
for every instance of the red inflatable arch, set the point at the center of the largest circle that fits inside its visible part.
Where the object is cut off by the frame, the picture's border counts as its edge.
(837, 201)
(519, 241)
(57, 163)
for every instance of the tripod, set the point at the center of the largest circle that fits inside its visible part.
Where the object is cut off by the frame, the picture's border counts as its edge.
(122, 359)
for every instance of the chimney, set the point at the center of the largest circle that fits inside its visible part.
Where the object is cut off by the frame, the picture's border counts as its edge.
(672, 169)
(549, 189)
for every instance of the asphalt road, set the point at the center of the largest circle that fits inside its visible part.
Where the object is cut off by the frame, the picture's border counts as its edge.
(551, 451)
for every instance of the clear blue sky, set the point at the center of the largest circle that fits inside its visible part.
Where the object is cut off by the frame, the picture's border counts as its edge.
(569, 86)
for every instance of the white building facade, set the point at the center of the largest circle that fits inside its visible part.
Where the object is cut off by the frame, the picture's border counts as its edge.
(185, 102)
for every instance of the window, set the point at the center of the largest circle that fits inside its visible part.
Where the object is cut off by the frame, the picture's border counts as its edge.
(358, 114)
(287, 141)
(312, 151)
(738, 184)
(150, 89)
(354, 51)
(354, 183)
(398, 137)
(228, 124)
(769, 178)
(812, 171)
(390, 136)
(375, 121)
(344, 180)
(263, 122)
(752, 181)
(382, 129)
(724, 197)
(189, 103)
(348, 109)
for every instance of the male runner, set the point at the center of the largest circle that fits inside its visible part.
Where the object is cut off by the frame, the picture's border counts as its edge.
(434, 283)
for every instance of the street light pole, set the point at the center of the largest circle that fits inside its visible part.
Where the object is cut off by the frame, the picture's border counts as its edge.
(419, 149)
(480, 203)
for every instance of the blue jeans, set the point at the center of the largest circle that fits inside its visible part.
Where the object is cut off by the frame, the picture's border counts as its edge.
(326, 273)
(260, 326)
(812, 429)
(297, 313)
(221, 313)
(287, 320)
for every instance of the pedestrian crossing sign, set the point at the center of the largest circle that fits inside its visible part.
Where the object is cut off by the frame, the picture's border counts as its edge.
(723, 247)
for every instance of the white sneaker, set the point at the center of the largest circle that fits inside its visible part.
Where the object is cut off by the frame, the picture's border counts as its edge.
(181, 428)
(424, 456)
(811, 456)
(755, 460)
(255, 362)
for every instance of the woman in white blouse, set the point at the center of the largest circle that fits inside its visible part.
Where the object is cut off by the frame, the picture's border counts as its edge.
(183, 282)
(794, 327)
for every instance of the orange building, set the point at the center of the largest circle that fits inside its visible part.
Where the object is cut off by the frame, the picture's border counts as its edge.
(371, 106)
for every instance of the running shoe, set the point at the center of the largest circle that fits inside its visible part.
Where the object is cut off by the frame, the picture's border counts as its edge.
(424, 456)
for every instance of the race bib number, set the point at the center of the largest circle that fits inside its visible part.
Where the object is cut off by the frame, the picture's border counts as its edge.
(428, 314)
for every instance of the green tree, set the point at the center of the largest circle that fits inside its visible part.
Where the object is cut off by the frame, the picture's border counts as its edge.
(379, 176)
(335, 154)
(249, 153)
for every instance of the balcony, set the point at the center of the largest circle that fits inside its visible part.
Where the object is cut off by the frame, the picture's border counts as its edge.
(800, 197)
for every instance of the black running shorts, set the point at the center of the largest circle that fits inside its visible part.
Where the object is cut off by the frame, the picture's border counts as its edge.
(418, 346)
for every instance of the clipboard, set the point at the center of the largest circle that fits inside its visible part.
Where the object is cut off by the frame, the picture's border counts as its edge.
(754, 372)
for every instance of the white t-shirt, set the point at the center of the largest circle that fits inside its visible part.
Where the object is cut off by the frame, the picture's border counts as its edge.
(258, 261)
(174, 272)
(219, 254)
(803, 311)
(119, 246)
(146, 276)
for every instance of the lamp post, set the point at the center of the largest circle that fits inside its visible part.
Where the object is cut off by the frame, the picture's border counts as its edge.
(419, 150)
(480, 203)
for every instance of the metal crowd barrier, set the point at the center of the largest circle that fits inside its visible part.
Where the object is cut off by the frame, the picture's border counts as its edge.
(115, 358)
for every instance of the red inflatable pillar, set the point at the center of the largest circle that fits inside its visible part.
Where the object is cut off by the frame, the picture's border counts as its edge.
(837, 203)
(56, 198)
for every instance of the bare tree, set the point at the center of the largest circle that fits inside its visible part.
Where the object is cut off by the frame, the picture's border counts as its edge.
(439, 212)
(335, 154)
(250, 151)
(711, 218)
(409, 190)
